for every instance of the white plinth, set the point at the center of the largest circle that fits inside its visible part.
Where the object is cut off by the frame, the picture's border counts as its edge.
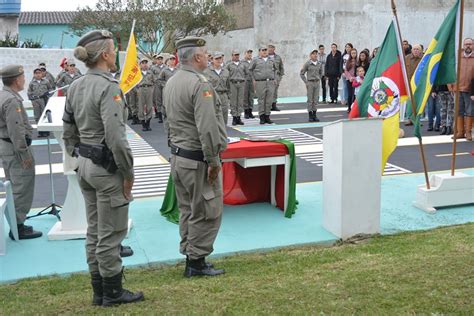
(446, 190)
(59, 233)
(352, 177)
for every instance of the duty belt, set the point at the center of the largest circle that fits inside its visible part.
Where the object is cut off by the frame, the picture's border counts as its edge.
(189, 154)
(236, 81)
(264, 79)
(146, 85)
(314, 79)
(27, 139)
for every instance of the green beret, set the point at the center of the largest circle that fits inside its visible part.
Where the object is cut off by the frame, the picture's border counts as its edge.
(12, 71)
(191, 41)
(94, 36)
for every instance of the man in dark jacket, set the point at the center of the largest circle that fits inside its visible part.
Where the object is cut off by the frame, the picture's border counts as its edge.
(333, 70)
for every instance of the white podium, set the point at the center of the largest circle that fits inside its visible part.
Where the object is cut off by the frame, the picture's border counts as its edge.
(73, 222)
(352, 176)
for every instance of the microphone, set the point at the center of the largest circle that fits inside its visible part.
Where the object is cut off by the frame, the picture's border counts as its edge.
(48, 116)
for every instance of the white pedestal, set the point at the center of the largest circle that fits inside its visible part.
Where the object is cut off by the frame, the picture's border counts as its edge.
(446, 190)
(352, 175)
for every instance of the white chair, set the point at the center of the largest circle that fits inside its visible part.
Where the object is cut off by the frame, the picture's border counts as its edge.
(7, 207)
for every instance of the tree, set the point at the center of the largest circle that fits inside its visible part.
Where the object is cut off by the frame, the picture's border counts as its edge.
(159, 23)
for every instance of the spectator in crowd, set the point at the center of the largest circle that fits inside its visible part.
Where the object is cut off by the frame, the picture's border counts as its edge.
(358, 80)
(345, 57)
(445, 100)
(433, 112)
(333, 71)
(374, 53)
(411, 61)
(322, 56)
(349, 74)
(406, 47)
(364, 60)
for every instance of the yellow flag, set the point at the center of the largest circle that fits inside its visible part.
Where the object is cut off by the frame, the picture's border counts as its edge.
(131, 74)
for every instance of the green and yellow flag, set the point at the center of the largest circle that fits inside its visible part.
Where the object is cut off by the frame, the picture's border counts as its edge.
(438, 65)
(131, 74)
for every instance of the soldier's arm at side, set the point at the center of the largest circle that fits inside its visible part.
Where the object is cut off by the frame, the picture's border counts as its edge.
(70, 131)
(30, 91)
(111, 108)
(282, 68)
(303, 73)
(207, 124)
(16, 130)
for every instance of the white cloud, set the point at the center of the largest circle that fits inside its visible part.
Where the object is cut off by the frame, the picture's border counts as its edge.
(54, 5)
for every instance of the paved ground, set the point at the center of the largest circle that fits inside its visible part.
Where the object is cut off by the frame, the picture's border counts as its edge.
(291, 123)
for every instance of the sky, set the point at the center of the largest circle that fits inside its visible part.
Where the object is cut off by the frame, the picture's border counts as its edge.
(55, 5)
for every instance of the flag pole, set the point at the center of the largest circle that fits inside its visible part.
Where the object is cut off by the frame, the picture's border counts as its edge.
(131, 32)
(422, 151)
(458, 76)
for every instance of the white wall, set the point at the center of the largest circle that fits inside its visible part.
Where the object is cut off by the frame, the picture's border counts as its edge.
(299, 26)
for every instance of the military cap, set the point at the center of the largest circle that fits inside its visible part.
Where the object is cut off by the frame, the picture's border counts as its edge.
(71, 62)
(235, 52)
(262, 47)
(42, 64)
(37, 69)
(12, 71)
(271, 45)
(94, 36)
(143, 60)
(249, 50)
(314, 51)
(217, 55)
(172, 57)
(43, 68)
(191, 41)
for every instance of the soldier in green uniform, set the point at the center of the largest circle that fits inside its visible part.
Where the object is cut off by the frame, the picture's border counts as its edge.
(311, 74)
(67, 78)
(38, 94)
(132, 100)
(47, 75)
(263, 71)
(197, 136)
(280, 72)
(156, 68)
(249, 92)
(145, 96)
(237, 78)
(219, 78)
(168, 71)
(94, 130)
(15, 151)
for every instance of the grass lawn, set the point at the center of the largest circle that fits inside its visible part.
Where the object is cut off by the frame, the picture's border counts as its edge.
(429, 272)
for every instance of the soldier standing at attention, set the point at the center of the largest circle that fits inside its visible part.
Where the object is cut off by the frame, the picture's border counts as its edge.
(311, 74)
(263, 71)
(237, 78)
(280, 72)
(37, 93)
(219, 78)
(94, 130)
(15, 150)
(47, 75)
(197, 136)
(145, 96)
(249, 92)
(156, 68)
(68, 77)
(132, 100)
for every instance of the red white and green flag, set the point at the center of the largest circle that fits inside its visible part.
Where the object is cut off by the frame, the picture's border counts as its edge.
(383, 90)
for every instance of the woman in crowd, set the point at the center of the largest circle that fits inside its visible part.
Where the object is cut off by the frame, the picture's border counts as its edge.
(364, 60)
(349, 74)
(345, 57)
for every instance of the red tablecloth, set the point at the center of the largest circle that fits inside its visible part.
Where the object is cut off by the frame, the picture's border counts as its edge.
(250, 185)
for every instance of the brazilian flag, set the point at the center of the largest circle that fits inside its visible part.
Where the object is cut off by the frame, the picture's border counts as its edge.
(438, 65)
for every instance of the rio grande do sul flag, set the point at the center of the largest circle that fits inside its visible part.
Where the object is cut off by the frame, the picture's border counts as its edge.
(131, 73)
(383, 90)
(438, 65)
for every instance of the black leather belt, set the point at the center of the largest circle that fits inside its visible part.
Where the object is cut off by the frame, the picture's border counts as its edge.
(314, 80)
(146, 85)
(189, 154)
(237, 81)
(264, 79)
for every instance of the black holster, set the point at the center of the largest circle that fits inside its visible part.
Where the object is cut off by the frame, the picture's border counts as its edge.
(100, 155)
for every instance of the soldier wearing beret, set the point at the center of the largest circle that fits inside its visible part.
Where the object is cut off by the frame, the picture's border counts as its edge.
(15, 151)
(145, 96)
(218, 76)
(237, 78)
(94, 130)
(38, 94)
(197, 136)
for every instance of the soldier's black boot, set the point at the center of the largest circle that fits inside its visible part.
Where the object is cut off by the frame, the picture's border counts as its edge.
(251, 114)
(234, 120)
(98, 291)
(199, 267)
(274, 107)
(267, 119)
(443, 130)
(160, 117)
(315, 118)
(310, 116)
(148, 128)
(239, 121)
(144, 129)
(208, 264)
(125, 251)
(135, 120)
(246, 114)
(115, 294)
(262, 119)
(26, 232)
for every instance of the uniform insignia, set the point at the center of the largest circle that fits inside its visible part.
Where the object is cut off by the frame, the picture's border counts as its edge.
(207, 94)
(18, 110)
(117, 98)
(200, 42)
(202, 78)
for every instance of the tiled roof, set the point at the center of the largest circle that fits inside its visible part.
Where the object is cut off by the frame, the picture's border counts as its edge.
(47, 17)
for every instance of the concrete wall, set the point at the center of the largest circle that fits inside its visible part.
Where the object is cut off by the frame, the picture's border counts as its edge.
(299, 26)
(31, 57)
